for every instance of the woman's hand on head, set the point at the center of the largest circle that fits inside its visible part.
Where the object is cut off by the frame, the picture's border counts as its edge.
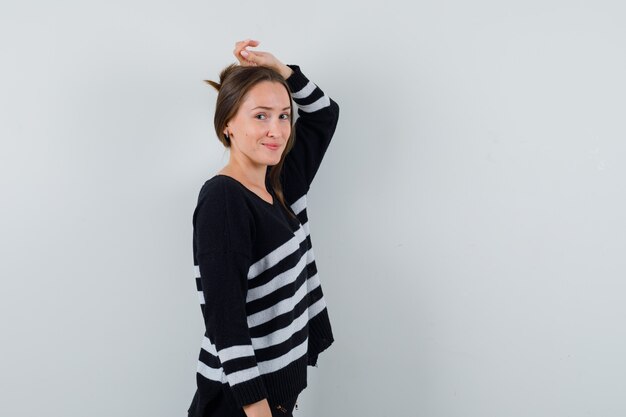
(248, 58)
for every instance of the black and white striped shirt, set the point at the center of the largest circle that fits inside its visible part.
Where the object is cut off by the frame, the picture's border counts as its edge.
(257, 281)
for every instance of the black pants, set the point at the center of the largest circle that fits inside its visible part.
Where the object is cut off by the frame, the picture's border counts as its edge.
(222, 406)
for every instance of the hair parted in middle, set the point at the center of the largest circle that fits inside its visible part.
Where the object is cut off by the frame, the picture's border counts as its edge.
(235, 83)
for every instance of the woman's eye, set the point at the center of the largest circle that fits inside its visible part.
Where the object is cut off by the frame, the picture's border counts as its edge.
(260, 116)
(284, 116)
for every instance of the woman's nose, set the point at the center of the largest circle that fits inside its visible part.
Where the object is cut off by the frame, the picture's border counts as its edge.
(274, 128)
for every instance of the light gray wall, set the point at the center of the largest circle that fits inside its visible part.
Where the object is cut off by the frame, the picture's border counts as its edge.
(467, 220)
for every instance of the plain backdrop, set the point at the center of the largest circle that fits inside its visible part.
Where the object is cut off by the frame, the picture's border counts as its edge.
(468, 219)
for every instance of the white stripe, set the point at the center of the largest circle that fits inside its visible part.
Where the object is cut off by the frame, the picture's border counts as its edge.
(276, 310)
(284, 360)
(264, 367)
(277, 254)
(225, 355)
(286, 305)
(211, 373)
(277, 282)
(209, 346)
(242, 376)
(305, 92)
(234, 352)
(196, 270)
(283, 334)
(312, 283)
(320, 103)
(299, 205)
(317, 308)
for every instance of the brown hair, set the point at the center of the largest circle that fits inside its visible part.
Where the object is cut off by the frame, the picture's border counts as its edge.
(235, 82)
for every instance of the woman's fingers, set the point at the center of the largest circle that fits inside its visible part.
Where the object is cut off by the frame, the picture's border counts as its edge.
(248, 58)
(240, 46)
(250, 42)
(254, 58)
(264, 59)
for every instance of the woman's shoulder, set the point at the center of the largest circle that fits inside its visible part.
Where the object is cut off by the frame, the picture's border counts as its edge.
(220, 187)
(222, 218)
(220, 197)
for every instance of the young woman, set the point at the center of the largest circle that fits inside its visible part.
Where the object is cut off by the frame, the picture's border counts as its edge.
(261, 299)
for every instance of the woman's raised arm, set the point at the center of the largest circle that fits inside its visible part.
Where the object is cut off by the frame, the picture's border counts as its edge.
(318, 115)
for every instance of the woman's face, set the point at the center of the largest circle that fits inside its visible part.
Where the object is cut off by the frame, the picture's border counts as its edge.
(260, 129)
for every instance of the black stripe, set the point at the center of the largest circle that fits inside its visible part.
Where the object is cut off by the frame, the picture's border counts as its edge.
(239, 364)
(273, 352)
(209, 360)
(311, 98)
(273, 298)
(283, 265)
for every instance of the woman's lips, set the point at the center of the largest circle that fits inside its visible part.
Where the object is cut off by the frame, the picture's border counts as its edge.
(272, 147)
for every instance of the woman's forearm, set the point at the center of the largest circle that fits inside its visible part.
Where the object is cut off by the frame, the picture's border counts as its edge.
(285, 71)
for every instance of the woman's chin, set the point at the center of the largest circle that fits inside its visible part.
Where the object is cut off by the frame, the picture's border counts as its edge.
(272, 162)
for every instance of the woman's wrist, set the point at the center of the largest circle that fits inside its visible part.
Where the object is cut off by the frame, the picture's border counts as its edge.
(285, 71)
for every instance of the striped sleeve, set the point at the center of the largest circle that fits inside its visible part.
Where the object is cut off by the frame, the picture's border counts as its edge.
(222, 235)
(317, 119)
(223, 278)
